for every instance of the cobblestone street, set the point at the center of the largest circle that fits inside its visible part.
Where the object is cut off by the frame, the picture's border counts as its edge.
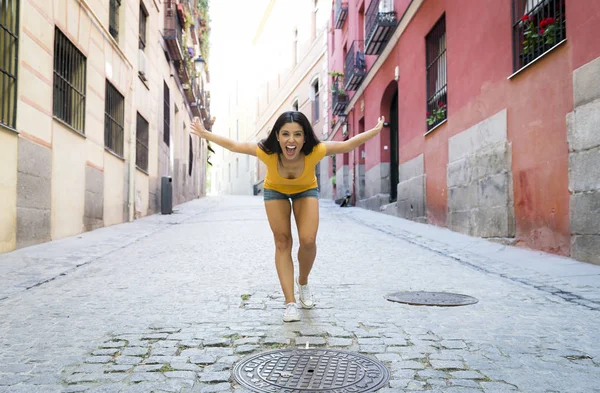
(170, 303)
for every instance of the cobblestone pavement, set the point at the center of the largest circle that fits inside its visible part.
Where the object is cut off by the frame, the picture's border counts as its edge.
(171, 303)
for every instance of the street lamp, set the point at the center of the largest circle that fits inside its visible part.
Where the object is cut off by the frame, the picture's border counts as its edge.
(199, 64)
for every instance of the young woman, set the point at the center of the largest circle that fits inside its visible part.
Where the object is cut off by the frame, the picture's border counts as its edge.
(291, 152)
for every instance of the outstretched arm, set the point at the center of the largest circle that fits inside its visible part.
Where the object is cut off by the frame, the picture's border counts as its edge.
(229, 144)
(334, 147)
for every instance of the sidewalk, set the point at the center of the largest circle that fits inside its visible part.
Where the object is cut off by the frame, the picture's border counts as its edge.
(170, 303)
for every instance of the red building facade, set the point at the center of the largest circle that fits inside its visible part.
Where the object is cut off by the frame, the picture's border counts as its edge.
(493, 111)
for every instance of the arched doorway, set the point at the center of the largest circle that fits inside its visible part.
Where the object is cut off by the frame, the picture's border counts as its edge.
(394, 156)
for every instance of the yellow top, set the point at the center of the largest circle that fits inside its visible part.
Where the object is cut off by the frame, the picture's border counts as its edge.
(306, 181)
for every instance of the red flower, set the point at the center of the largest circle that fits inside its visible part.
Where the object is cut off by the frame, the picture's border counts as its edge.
(428, 114)
(525, 18)
(542, 31)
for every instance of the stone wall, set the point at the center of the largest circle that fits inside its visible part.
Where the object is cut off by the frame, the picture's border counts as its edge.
(583, 133)
(33, 193)
(479, 179)
(376, 187)
(411, 203)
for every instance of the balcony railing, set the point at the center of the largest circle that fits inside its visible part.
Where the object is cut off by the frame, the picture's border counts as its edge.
(339, 101)
(173, 32)
(341, 12)
(381, 22)
(355, 66)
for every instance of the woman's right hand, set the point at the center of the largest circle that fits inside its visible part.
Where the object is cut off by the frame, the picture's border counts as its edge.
(198, 128)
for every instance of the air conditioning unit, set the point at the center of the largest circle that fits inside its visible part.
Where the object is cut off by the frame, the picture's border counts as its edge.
(142, 65)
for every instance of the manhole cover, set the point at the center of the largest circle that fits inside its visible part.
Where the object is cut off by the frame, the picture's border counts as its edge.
(310, 370)
(431, 298)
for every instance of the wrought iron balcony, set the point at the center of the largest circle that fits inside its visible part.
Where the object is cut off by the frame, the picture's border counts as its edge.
(173, 32)
(341, 12)
(380, 25)
(339, 100)
(355, 66)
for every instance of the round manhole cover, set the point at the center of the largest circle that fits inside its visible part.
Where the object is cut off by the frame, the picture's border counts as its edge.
(431, 298)
(310, 370)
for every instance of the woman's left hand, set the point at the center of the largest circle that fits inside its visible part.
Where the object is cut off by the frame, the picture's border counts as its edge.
(380, 122)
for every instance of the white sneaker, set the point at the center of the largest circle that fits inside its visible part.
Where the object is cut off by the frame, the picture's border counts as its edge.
(306, 299)
(291, 313)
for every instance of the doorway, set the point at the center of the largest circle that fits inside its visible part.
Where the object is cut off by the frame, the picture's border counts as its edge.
(394, 156)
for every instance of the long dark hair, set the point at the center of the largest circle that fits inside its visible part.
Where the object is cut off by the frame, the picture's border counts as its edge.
(270, 145)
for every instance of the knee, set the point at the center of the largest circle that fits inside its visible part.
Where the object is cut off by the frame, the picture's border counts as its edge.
(283, 241)
(308, 241)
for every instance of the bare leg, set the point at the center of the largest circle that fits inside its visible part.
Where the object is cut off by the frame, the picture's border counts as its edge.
(306, 213)
(278, 213)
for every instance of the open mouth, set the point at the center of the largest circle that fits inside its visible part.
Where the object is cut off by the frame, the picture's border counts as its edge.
(290, 150)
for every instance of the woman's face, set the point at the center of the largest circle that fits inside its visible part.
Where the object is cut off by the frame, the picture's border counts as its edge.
(291, 140)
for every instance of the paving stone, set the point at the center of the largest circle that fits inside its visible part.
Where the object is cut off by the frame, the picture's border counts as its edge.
(242, 349)
(316, 341)
(215, 376)
(339, 342)
(181, 374)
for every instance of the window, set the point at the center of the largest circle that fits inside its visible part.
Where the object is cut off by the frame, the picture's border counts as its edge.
(143, 21)
(9, 49)
(69, 83)
(437, 91)
(141, 143)
(295, 47)
(315, 88)
(538, 25)
(114, 119)
(191, 157)
(114, 18)
(166, 115)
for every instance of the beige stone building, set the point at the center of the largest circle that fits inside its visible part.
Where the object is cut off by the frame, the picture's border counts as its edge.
(288, 72)
(96, 105)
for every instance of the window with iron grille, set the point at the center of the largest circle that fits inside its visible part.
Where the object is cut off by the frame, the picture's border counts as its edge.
(142, 29)
(141, 143)
(114, 119)
(437, 89)
(69, 83)
(9, 49)
(113, 27)
(538, 25)
(191, 158)
(315, 87)
(166, 115)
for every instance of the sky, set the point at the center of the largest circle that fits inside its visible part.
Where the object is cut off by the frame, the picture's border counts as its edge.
(233, 25)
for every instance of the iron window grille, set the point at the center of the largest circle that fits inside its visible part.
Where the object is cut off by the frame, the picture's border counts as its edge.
(341, 12)
(114, 119)
(191, 157)
(315, 87)
(141, 143)
(113, 27)
(437, 88)
(9, 58)
(142, 27)
(355, 66)
(380, 24)
(69, 83)
(166, 115)
(538, 26)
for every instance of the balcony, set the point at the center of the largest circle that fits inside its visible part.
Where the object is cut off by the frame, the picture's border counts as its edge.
(381, 22)
(339, 101)
(355, 66)
(341, 12)
(173, 32)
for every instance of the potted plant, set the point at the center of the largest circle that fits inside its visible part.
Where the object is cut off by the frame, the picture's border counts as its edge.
(438, 114)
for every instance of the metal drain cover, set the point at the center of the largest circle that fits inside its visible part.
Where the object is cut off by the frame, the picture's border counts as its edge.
(310, 370)
(431, 298)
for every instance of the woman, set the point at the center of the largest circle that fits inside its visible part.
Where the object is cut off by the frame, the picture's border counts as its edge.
(291, 152)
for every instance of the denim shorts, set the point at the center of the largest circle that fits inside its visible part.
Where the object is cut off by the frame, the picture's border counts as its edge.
(271, 195)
